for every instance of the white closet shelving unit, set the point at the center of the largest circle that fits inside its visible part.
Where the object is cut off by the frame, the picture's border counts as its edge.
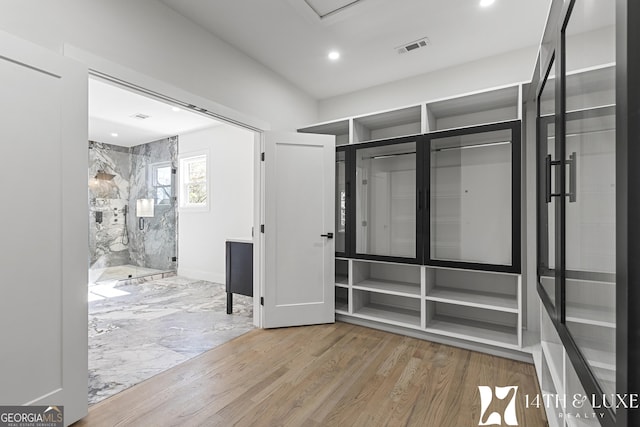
(455, 304)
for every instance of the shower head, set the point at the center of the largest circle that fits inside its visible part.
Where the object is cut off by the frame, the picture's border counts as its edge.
(102, 175)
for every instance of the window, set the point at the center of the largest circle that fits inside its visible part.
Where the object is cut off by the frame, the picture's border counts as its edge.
(161, 183)
(193, 182)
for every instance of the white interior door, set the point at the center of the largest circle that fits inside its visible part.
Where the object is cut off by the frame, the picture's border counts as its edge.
(299, 199)
(43, 249)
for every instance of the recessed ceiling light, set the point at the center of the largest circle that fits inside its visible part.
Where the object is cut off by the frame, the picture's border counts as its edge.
(334, 55)
(114, 134)
(176, 109)
(486, 3)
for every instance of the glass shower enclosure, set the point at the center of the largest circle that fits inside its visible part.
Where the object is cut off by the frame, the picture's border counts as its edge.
(132, 210)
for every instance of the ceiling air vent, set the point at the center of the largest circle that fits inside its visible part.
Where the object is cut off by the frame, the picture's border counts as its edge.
(414, 45)
(140, 116)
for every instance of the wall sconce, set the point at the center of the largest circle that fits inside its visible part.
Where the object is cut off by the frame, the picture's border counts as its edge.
(144, 209)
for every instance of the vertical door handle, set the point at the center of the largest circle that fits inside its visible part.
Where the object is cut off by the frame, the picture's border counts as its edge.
(547, 183)
(573, 174)
(419, 200)
(548, 170)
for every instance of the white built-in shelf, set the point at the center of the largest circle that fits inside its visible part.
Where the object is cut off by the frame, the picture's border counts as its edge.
(480, 332)
(599, 357)
(389, 314)
(590, 315)
(411, 290)
(388, 124)
(342, 306)
(342, 281)
(555, 366)
(486, 300)
(482, 107)
(339, 128)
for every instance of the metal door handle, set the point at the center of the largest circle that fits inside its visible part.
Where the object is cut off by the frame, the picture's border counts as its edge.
(328, 235)
(548, 170)
(573, 172)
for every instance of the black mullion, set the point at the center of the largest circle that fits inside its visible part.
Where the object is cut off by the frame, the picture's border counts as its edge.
(351, 201)
(420, 199)
(516, 199)
(560, 140)
(426, 214)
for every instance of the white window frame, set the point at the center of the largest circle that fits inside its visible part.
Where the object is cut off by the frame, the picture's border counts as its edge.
(182, 170)
(154, 185)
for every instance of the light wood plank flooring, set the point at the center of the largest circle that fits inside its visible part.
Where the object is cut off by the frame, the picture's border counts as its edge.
(327, 375)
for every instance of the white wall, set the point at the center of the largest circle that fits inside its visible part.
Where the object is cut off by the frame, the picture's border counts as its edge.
(512, 67)
(202, 235)
(150, 38)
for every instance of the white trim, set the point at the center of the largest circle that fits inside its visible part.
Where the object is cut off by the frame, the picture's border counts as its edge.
(115, 73)
(205, 207)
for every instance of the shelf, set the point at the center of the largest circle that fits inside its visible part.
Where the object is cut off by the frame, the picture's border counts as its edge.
(342, 306)
(599, 358)
(474, 331)
(489, 301)
(411, 290)
(342, 281)
(555, 371)
(388, 124)
(389, 314)
(479, 108)
(590, 315)
(339, 128)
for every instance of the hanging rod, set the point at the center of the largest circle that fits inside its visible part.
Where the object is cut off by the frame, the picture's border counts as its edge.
(386, 156)
(588, 132)
(464, 147)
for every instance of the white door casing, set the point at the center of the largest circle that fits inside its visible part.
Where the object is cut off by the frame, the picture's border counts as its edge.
(43, 250)
(299, 262)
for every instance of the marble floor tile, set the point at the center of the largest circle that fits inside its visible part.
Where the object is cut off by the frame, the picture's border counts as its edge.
(155, 326)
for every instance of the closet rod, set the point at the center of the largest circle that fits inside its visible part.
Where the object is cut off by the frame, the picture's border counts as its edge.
(386, 156)
(464, 147)
(588, 132)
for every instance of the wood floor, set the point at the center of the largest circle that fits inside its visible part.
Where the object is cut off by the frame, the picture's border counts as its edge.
(327, 375)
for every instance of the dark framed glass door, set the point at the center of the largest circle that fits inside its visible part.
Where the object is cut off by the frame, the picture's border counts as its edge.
(473, 182)
(388, 200)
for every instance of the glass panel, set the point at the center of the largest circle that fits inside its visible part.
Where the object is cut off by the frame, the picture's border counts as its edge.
(471, 198)
(547, 147)
(590, 177)
(386, 200)
(124, 242)
(341, 202)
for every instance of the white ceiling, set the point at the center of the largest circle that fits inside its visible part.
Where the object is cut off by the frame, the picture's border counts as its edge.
(111, 109)
(290, 38)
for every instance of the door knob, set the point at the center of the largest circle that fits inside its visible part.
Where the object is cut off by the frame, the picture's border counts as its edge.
(328, 235)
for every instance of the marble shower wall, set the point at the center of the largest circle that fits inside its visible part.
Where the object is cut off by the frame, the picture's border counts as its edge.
(110, 244)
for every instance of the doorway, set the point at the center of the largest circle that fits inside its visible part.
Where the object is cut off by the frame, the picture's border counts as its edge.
(167, 187)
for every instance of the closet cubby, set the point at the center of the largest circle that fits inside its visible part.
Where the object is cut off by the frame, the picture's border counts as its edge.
(342, 273)
(387, 278)
(342, 300)
(386, 308)
(479, 108)
(389, 124)
(339, 128)
(590, 89)
(486, 290)
(482, 325)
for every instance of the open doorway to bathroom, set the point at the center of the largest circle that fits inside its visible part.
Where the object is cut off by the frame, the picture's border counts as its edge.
(167, 187)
